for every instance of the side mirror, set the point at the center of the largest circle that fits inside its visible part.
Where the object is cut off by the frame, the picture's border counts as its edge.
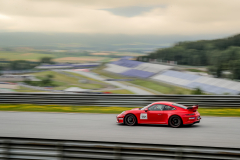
(146, 110)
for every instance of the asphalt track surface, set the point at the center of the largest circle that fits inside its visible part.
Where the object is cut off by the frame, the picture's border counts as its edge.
(212, 131)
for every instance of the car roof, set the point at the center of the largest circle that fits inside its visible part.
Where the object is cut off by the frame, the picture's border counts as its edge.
(164, 102)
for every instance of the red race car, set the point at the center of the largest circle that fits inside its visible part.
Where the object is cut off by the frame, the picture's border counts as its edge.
(167, 113)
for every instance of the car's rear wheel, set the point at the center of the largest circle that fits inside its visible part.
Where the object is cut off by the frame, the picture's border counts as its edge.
(175, 121)
(130, 120)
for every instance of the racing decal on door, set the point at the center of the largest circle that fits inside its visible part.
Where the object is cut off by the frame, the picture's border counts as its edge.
(143, 116)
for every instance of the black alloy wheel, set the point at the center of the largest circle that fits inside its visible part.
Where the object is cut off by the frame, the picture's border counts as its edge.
(175, 121)
(130, 120)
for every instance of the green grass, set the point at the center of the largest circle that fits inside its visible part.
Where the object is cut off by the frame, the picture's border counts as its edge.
(157, 86)
(100, 71)
(37, 55)
(64, 81)
(25, 89)
(23, 56)
(87, 78)
(120, 91)
(58, 108)
(223, 112)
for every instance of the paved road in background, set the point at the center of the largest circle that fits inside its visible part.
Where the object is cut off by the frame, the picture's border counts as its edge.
(121, 85)
(212, 131)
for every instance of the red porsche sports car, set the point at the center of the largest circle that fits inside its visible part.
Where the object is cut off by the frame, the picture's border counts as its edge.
(168, 113)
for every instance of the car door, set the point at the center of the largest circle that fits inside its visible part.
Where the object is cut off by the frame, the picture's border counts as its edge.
(167, 111)
(154, 114)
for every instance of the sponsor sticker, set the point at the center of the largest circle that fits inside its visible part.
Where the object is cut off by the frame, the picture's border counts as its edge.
(143, 116)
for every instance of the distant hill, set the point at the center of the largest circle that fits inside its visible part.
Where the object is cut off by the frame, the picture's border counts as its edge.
(95, 42)
(219, 55)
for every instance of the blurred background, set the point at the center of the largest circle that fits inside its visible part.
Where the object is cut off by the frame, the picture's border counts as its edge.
(104, 56)
(161, 47)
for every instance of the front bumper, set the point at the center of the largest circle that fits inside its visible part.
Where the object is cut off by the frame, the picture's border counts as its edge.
(120, 118)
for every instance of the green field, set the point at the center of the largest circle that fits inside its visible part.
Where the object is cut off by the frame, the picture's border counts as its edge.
(35, 55)
(224, 112)
(157, 86)
(63, 81)
(84, 77)
(25, 89)
(22, 56)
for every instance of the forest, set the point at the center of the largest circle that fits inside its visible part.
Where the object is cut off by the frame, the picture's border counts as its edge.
(218, 55)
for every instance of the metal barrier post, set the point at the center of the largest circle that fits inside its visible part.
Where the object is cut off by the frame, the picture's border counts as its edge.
(179, 154)
(117, 152)
(6, 154)
(60, 151)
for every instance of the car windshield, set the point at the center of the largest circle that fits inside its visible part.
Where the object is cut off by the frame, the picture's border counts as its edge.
(179, 105)
(146, 107)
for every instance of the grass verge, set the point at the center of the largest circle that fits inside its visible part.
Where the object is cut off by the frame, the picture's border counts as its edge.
(119, 91)
(59, 108)
(222, 112)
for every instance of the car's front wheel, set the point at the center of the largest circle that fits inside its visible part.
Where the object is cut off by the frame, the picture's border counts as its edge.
(175, 121)
(130, 120)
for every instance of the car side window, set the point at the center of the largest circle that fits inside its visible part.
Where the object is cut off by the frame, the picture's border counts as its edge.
(156, 107)
(167, 108)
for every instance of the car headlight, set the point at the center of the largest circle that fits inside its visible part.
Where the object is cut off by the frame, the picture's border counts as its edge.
(122, 112)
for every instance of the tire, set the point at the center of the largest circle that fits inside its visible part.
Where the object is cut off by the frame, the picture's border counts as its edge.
(130, 120)
(175, 121)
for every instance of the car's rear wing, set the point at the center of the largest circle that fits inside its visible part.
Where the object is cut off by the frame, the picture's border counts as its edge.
(193, 108)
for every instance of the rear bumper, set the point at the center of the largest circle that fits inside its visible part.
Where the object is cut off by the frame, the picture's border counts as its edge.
(197, 122)
(192, 120)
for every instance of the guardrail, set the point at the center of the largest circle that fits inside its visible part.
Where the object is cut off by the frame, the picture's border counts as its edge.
(40, 149)
(119, 100)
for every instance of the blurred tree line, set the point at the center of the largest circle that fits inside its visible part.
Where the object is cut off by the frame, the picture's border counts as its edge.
(219, 55)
